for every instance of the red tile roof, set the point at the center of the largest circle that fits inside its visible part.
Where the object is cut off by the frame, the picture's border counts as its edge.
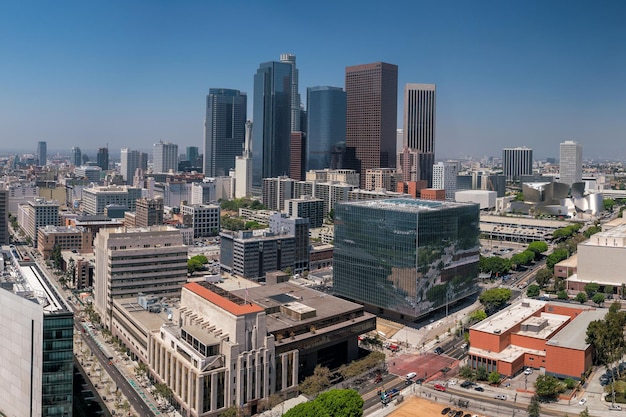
(222, 302)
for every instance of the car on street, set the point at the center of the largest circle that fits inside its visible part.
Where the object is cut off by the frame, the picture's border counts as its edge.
(528, 371)
(615, 407)
(582, 401)
(479, 389)
(500, 397)
(466, 384)
(439, 387)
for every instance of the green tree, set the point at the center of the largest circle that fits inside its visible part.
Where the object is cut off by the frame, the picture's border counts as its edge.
(316, 383)
(481, 373)
(537, 247)
(467, 372)
(584, 413)
(555, 257)
(341, 403)
(592, 231)
(562, 295)
(194, 265)
(57, 258)
(477, 316)
(598, 298)
(548, 387)
(592, 288)
(607, 336)
(543, 277)
(232, 411)
(533, 291)
(581, 297)
(307, 409)
(494, 377)
(201, 258)
(534, 408)
(608, 290)
(495, 298)
(608, 204)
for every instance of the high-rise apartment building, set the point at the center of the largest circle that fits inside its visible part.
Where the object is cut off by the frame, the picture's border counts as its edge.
(224, 130)
(4, 217)
(517, 162)
(371, 117)
(134, 260)
(297, 155)
(130, 161)
(295, 95)
(149, 212)
(165, 157)
(420, 122)
(326, 126)
(444, 178)
(423, 256)
(42, 153)
(571, 162)
(272, 121)
(243, 167)
(102, 158)
(275, 191)
(76, 156)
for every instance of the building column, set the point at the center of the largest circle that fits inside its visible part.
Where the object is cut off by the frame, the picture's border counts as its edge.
(283, 359)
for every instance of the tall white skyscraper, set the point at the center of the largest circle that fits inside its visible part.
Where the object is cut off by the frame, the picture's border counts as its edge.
(165, 157)
(295, 96)
(129, 162)
(243, 167)
(571, 162)
(444, 177)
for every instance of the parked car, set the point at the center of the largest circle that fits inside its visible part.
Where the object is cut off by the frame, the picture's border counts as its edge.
(528, 371)
(438, 350)
(445, 411)
(500, 397)
(479, 389)
(466, 384)
(582, 401)
(615, 407)
(439, 387)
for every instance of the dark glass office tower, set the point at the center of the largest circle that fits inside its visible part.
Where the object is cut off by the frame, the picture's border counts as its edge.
(76, 156)
(58, 364)
(272, 122)
(326, 124)
(42, 153)
(405, 257)
(224, 130)
(103, 158)
(371, 116)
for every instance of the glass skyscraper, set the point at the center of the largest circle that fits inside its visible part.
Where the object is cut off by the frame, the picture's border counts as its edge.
(76, 156)
(326, 124)
(224, 130)
(271, 131)
(406, 257)
(42, 153)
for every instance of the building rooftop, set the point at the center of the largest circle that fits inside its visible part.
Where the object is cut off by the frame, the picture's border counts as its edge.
(614, 237)
(61, 229)
(238, 305)
(509, 317)
(523, 221)
(571, 262)
(574, 335)
(408, 205)
(542, 327)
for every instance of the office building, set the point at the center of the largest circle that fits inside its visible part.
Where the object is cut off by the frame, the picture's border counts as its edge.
(134, 260)
(297, 155)
(130, 161)
(420, 121)
(20, 192)
(405, 257)
(486, 200)
(243, 167)
(63, 237)
(347, 176)
(380, 179)
(102, 158)
(204, 219)
(326, 126)
(294, 105)
(76, 156)
(224, 130)
(4, 217)
(165, 157)
(275, 191)
(91, 173)
(546, 336)
(371, 116)
(42, 153)
(37, 350)
(96, 199)
(148, 212)
(571, 162)
(192, 154)
(272, 121)
(517, 162)
(204, 192)
(35, 214)
(444, 178)
(307, 207)
(298, 227)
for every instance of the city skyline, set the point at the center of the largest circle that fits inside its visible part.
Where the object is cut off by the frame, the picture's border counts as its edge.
(506, 74)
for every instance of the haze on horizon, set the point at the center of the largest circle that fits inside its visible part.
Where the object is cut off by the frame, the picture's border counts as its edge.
(508, 74)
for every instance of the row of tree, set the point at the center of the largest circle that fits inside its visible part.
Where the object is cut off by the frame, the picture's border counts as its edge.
(496, 265)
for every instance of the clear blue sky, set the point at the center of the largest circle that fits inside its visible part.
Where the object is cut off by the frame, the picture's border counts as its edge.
(526, 73)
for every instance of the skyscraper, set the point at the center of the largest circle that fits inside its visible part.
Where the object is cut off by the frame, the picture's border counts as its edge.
(103, 158)
(129, 162)
(571, 162)
(4, 217)
(326, 124)
(224, 130)
(371, 117)
(444, 178)
(272, 122)
(243, 167)
(191, 153)
(76, 156)
(517, 162)
(419, 122)
(165, 157)
(42, 153)
(295, 95)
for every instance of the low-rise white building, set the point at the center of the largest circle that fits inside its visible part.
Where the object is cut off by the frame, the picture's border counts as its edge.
(486, 199)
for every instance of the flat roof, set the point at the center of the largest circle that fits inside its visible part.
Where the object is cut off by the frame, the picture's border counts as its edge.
(571, 262)
(508, 354)
(151, 321)
(524, 221)
(407, 205)
(573, 336)
(552, 323)
(238, 305)
(510, 316)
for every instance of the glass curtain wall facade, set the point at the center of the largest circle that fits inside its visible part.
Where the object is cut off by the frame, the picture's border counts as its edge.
(58, 365)
(406, 256)
(271, 131)
(326, 123)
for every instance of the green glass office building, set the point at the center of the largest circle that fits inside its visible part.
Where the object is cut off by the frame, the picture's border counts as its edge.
(406, 257)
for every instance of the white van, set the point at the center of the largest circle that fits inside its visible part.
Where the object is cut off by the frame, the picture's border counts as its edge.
(411, 375)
